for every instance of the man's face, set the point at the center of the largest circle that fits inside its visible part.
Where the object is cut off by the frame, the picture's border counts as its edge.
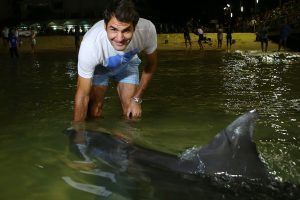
(119, 33)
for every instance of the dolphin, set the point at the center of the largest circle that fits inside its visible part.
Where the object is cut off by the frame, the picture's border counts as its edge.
(231, 152)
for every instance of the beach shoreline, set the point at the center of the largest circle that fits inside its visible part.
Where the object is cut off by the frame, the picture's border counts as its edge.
(172, 41)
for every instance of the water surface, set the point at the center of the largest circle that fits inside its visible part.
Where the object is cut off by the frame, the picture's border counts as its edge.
(191, 98)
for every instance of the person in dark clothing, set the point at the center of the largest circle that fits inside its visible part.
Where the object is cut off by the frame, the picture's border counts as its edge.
(13, 43)
(229, 37)
(263, 35)
(187, 37)
(285, 31)
(77, 38)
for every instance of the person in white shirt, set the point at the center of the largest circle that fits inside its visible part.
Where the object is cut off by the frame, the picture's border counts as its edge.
(109, 51)
(201, 37)
(33, 40)
(5, 34)
(220, 36)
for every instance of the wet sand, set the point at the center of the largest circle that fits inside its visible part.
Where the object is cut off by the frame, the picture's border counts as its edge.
(243, 42)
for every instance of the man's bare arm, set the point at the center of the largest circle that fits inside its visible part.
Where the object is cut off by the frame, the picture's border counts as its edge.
(81, 99)
(147, 74)
(134, 109)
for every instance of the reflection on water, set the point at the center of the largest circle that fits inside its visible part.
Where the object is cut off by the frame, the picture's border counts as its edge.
(262, 81)
(268, 82)
(192, 97)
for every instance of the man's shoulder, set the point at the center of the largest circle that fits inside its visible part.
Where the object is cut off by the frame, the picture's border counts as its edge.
(144, 24)
(97, 29)
(95, 33)
(143, 20)
(145, 36)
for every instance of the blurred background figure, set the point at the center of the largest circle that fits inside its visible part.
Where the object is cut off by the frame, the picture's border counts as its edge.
(33, 40)
(263, 35)
(5, 33)
(77, 38)
(228, 37)
(201, 36)
(13, 43)
(187, 37)
(220, 36)
(285, 31)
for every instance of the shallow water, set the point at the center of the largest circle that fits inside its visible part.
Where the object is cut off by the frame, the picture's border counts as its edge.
(192, 97)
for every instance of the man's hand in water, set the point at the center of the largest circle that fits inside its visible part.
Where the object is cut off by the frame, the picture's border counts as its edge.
(134, 110)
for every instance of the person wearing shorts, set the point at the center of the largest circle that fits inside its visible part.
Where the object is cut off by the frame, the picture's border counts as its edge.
(109, 52)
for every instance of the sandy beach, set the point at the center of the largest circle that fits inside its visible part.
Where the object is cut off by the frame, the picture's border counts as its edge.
(243, 42)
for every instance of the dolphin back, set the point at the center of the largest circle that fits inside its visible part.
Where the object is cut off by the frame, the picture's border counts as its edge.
(232, 151)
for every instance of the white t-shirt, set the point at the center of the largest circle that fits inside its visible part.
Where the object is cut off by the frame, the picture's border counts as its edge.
(96, 49)
(200, 31)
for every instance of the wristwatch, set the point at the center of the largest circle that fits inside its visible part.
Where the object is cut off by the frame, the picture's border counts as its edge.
(137, 100)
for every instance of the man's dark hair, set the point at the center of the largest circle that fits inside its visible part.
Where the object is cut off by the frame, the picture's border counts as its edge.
(123, 10)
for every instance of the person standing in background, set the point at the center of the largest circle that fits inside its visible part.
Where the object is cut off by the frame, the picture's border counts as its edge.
(77, 38)
(187, 37)
(201, 37)
(33, 40)
(228, 37)
(220, 36)
(263, 35)
(13, 43)
(5, 34)
(285, 31)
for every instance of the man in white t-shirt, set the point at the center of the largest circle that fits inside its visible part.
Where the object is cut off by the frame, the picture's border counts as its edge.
(109, 51)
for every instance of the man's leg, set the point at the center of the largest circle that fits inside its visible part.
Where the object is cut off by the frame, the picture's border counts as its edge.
(227, 42)
(126, 92)
(16, 52)
(284, 43)
(96, 101)
(279, 44)
(11, 52)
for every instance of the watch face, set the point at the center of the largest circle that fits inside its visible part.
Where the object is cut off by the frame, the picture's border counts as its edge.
(137, 100)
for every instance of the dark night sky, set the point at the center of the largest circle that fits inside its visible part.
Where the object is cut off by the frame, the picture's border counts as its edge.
(181, 10)
(175, 11)
(170, 10)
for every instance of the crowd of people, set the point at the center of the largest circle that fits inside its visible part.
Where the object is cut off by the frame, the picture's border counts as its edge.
(278, 22)
(194, 28)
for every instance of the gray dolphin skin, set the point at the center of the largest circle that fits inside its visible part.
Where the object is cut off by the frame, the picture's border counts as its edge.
(231, 152)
